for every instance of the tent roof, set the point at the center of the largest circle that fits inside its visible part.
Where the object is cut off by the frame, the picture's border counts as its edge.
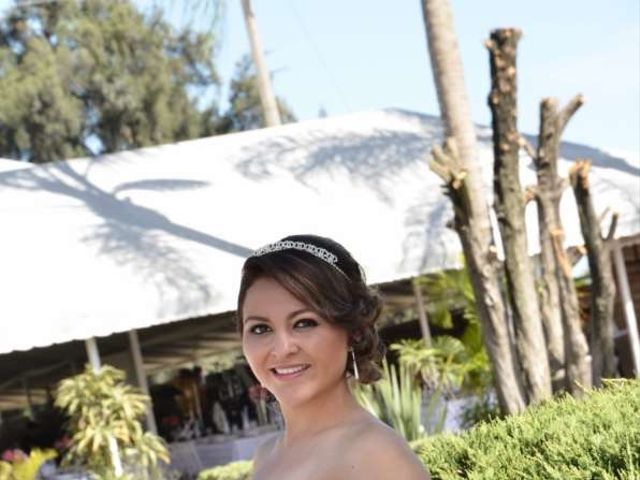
(8, 165)
(91, 247)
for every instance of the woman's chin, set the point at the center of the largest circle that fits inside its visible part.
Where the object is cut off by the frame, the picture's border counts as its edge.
(290, 399)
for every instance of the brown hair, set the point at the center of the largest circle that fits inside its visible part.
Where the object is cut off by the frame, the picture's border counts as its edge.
(339, 295)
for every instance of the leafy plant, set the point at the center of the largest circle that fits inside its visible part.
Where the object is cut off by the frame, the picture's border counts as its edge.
(446, 366)
(395, 399)
(451, 366)
(233, 471)
(19, 466)
(102, 408)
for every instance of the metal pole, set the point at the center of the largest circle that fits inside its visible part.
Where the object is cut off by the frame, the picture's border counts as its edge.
(267, 99)
(627, 305)
(94, 359)
(138, 365)
(92, 352)
(422, 313)
(27, 392)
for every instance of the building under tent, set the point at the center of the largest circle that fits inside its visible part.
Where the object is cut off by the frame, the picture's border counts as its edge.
(142, 249)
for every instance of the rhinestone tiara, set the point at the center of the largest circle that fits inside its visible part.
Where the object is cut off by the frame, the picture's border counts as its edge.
(319, 252)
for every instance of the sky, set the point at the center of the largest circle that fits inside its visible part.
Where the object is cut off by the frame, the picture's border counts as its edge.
(348, 56)
(344, 56)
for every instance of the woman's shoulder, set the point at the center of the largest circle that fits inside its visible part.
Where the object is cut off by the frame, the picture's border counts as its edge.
(373, 450)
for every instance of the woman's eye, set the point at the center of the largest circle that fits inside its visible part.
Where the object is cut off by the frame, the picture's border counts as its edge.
(306, 323)
(259, 329)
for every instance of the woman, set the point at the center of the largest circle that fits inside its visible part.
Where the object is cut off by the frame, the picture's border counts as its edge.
(307, 321)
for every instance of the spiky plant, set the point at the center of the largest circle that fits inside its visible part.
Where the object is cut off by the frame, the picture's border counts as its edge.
(395, 399)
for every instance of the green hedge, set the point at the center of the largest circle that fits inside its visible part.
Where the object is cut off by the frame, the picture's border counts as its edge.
(596, 438)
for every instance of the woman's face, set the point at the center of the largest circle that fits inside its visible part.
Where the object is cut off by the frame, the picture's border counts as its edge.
(294, 352)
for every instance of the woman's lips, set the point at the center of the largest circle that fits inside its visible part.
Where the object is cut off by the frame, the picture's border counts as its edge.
(289, 372)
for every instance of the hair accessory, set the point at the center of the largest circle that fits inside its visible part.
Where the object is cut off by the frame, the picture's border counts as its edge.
(319, 252)
(355, 364)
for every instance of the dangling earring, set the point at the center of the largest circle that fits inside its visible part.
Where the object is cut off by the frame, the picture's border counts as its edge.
(355, 364)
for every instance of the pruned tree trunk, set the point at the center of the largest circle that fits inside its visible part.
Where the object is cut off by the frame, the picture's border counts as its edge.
(603, 289)
(484, 277)
(550, 308)
(509, 204)
(548, 194)
(458, 167)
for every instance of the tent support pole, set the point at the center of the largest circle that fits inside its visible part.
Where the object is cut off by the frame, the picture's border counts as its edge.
(627, 305)
(92, 353)
(27, 392)
(138, 364)
(94, 359)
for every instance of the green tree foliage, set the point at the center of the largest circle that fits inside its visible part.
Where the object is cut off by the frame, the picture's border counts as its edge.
(245, 111)
(81, 77)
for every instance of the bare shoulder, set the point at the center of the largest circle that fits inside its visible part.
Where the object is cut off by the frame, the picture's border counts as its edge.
(377, 452)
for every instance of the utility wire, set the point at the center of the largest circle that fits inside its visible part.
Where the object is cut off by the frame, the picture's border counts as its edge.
(321, 60)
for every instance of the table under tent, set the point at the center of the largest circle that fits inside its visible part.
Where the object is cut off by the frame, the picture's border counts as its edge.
(135, 256)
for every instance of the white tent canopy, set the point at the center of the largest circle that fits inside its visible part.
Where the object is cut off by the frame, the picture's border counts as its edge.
(91, 247)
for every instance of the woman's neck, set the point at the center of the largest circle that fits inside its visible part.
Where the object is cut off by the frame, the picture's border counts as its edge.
(334, 408)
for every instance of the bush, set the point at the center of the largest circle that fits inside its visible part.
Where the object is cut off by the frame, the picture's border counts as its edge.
(233, 471)
(565, 439)
(596, 438)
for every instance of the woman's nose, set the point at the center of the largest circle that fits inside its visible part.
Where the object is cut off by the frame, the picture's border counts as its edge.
(285, 344)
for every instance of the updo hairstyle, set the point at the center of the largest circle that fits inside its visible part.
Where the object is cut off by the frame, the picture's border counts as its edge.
(339, 296)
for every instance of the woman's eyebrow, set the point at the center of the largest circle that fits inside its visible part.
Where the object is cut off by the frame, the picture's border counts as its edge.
(295, 313)
(298, 312)
(256, 318)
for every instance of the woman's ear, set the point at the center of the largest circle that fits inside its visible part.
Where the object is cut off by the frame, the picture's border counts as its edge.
(356, 337)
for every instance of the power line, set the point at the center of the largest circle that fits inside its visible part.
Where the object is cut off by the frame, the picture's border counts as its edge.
(324, 64)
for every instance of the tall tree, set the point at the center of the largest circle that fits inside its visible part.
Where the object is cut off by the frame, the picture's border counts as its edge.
(83, 77)
(270, 112)
(458, 167)
(245, 108)
(509, 207)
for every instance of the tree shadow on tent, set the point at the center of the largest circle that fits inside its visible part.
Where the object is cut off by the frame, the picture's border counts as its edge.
(371, 157)
(132, 235)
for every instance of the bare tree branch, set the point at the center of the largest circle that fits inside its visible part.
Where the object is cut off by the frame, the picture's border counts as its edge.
(524, 144)
(530, 193)
(612, 227)
(604, 214)
(567, 112)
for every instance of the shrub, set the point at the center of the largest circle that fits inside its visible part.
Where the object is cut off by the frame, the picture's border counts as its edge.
(233, 471)
(596, 438)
